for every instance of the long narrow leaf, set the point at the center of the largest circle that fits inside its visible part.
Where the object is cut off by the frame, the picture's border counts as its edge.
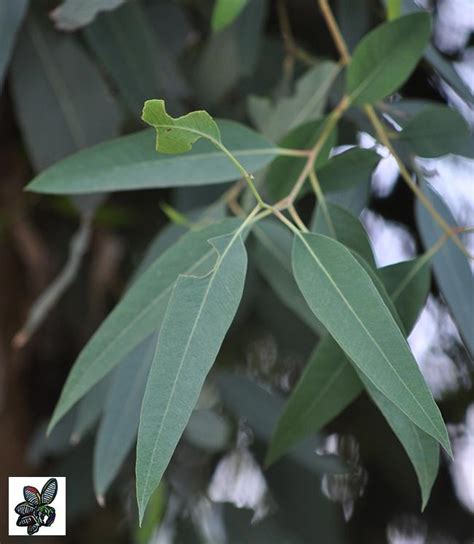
(199, 313)
(451, 268)
(345, 300)
(131, 162)
(119, 426)
(139, 313)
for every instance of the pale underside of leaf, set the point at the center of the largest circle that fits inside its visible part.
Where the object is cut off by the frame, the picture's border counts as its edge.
(139, 313)
(198, 316)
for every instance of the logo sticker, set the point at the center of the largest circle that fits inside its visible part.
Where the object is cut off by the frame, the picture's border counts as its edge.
(37, 506)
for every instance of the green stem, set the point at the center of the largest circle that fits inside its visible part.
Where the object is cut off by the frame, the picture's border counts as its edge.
(247, 176)
(385, 140)
(313, 178)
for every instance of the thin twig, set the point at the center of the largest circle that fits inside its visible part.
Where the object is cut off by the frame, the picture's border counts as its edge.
(296, 218)
(335, 32)
(328, 128)
(50, 296)
(381, 133)
(293, 49)
(385, 140)
(313, 178)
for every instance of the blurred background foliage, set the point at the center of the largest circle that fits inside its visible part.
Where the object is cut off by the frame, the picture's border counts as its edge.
(74, 74)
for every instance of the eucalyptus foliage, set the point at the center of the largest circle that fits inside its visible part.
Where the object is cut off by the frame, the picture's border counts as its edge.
(165, 334)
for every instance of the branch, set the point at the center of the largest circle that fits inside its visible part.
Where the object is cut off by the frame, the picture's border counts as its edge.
(50, 296)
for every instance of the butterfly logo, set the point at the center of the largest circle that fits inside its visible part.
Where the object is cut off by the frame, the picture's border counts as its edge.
(35, 511)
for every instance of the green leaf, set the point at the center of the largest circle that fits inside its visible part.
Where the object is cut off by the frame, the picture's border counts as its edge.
(306, 104)
(261, 408)
(199, 313)
(422, 449)
(385, 58)
(130, 162)
(284, 171)
(11, 17)
(347, 170)
(89, 410)
(435, 131)
(72, 14)
(271, 253)
(119, 426)
(225, 11)
(408, 284)
(230, 55)
(357, 318)
(146, 69)
(327, 386)
(76, 105)
(155, 514)
(446, 70)
(345, 227)
(451, 268)
(178, 135)
(442, 64)
(139, 313)
(329, 383)
(354, 20)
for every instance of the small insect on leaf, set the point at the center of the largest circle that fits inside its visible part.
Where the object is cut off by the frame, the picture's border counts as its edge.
(178, 135)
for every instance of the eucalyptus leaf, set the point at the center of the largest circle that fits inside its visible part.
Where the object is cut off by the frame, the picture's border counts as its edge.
(76, 105)
(347, 170)
(354, 19)
(199, 313)
(357, 318)
(451, 268)
(421, 448)
(342, 225)
(261, 408)
(178, 135)
(225, 11)
(327, 386)
(119, 425)
(131, 162)
(271, 253)
(385, 58)
(146, 69)
(408, 284)
(435, 131)
(11, 17)
(89, 410)
(139, 313)
(230, 55)
(446, 70)
(306, 104)
(443, 66)
(329, 383)
(73, 14)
